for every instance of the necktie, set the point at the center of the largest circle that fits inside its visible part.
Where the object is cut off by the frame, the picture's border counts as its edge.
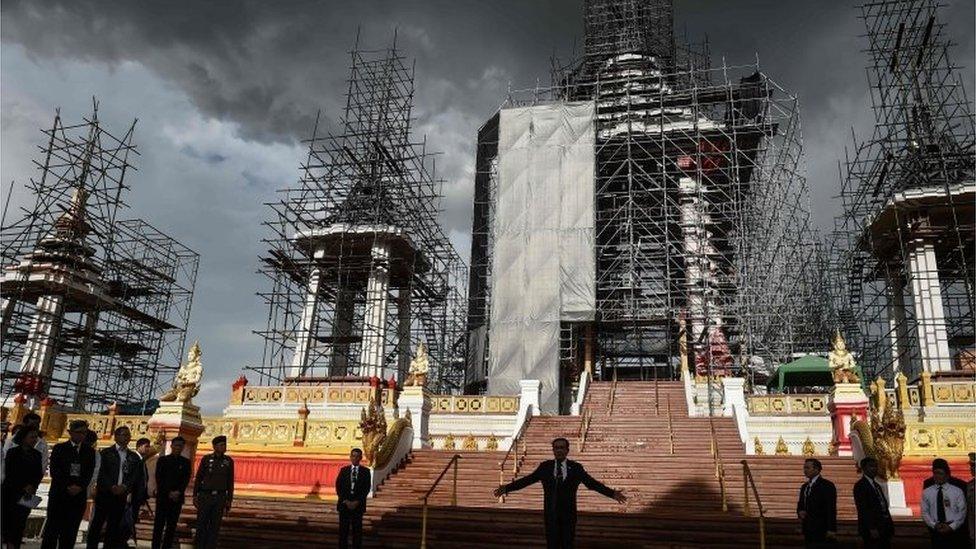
(940, 506)
(806, 494)
(881, 496)
(355, 473)
(559, 472)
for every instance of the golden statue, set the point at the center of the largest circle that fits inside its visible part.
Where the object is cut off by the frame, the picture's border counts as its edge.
(781, 448)
(888, 434)
(186, 385)
(841, 362)
(808, 448)
(758, 447)
(419, 366)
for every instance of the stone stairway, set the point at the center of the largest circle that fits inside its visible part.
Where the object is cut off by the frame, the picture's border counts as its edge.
(674, 498)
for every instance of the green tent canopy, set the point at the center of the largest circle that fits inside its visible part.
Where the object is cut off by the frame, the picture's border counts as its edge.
(807, 371)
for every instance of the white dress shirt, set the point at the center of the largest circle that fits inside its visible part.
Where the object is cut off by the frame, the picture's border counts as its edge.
(954, 501)
(809, 488)
(98, 465)
(555, 469)
(122, 455)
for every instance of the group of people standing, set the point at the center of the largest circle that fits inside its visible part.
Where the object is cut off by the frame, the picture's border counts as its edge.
(117, 479)
(947, 507)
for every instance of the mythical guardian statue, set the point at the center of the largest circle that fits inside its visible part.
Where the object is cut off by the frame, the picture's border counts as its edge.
(373, 425)
(841, 362)
(419, 366)
(888, 432)
(186, 385)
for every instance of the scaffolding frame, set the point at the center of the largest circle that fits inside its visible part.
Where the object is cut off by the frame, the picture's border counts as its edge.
(702, 206)
(106, 299)
(902, 250)
(364, 185)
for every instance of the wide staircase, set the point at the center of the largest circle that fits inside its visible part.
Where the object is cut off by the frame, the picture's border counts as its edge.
(664, 462)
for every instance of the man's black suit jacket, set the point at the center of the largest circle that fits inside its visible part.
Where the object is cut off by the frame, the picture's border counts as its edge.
(108, 472)
(63, 456)
(172, 473)
(821, 507)
(872, 514)
(560, 497)
(346, 492)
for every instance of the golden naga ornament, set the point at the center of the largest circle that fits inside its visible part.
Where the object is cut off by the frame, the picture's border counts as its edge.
(186, 385)
(470, 443)
(841, 361)
(449, 442)
(373, 425)
(492, 443)
(888, 434)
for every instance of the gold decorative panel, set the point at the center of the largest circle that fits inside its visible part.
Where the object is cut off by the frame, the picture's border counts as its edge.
(449, 404)
(777, 405)
(138, 425)
(941, 440)
(313, 394)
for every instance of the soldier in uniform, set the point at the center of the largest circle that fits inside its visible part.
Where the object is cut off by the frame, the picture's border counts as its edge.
(213, 492)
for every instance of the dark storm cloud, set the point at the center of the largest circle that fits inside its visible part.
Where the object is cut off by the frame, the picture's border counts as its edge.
(270, 66)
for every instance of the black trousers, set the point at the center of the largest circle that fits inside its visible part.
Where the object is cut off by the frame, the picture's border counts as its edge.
(560, 532)
(64, 514)
(109, 514)
(884, 542)
(164, 525)
(350, 522)
(955, 540)
(209, 516)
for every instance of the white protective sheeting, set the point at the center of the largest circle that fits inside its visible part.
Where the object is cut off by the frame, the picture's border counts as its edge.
(543, 264)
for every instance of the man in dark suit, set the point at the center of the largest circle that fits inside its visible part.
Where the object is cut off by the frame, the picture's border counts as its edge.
(119, 476)
(172, 478)
(352, 486)
(72, 466)
(560, 480)
(874, 522)
(817, 506)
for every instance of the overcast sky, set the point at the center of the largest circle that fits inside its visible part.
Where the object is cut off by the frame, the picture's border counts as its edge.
(224, 91)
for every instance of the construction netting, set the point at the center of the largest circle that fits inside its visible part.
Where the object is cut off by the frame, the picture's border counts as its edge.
(543, 270)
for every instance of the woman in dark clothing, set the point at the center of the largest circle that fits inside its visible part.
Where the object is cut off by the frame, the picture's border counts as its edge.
(22, 474)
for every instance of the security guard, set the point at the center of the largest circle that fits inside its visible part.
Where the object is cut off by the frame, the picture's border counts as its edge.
(213, 492)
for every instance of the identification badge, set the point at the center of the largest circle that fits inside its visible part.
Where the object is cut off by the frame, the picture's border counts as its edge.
(946, 503)
(74, 470)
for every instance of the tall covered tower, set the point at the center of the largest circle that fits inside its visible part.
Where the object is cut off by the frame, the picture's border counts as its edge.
(677, 224)
(361, 271)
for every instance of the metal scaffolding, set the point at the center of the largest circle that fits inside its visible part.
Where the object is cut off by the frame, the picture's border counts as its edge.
(361, 271)
(701, 207)
(95, 308)
(902, 252)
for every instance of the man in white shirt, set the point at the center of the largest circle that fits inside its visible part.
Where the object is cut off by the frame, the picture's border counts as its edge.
(119, 473)
(944, 512)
